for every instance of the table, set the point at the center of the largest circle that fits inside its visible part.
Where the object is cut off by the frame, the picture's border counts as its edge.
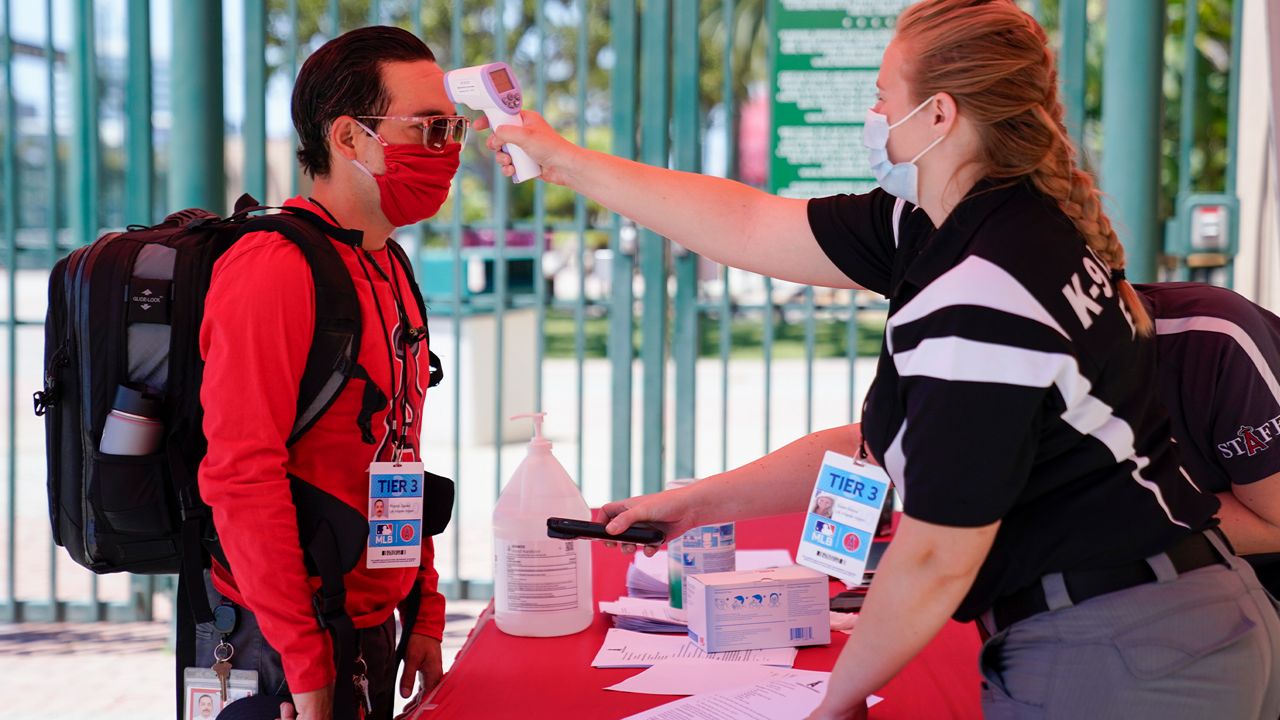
(502, 676)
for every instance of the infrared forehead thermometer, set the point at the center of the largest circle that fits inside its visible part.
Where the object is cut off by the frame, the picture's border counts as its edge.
(493, 89)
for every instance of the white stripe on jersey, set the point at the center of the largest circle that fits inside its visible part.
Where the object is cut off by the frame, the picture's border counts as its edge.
(1185, 475)
(898, 206)
(964, 360)
(976, 282)
(981, 283)
(1205, 323)
(895, 462)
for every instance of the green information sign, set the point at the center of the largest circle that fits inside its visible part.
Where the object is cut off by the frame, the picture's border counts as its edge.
(826, 55)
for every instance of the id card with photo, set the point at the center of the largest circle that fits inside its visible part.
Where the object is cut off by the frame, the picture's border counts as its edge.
(202, 693)
(395, 515)
(840, 524)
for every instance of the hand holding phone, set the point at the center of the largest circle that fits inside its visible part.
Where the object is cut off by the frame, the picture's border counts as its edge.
(566, 529)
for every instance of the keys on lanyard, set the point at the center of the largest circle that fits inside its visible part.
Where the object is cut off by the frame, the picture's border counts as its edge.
(361, 680)
(224, 622)
(222, 666)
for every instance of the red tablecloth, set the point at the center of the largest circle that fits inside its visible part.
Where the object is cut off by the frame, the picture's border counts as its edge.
(502, 676)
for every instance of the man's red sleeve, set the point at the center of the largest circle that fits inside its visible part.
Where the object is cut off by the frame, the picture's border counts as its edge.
(430, 620)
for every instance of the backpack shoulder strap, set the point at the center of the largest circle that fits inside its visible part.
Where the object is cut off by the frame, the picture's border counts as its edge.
(436, 368)
(335, 345)
(331, 362)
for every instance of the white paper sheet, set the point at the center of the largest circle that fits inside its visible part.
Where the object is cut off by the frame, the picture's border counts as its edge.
(646, 615)
(770, 700)
(645, 608)
(694, 677)
(626, 649)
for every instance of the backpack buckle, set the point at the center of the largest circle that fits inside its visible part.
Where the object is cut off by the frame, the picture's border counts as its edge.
(43, 400)
(329, 608)
(190, 506)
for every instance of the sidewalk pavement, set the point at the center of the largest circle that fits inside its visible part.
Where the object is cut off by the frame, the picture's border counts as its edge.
(118, 671)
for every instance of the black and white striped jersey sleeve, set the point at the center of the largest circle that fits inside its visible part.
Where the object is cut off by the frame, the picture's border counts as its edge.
(982, 365)
(856, 233)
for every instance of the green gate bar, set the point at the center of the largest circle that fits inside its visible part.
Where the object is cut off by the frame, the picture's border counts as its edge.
(729, 103)
(140, 196)
(460, 585)
(1233, 96)
(539, 232)
(580, 231)
(10, 255)
(654, 128)
(1073, 29)
(291, 62)
(501, 195)
(1131, 99)
(686, 136)
(196, 98)
(253, 132)
(623, 15)
(1190, 77)
(55, 203)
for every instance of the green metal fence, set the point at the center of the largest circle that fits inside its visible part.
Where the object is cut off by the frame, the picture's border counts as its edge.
(98, 117)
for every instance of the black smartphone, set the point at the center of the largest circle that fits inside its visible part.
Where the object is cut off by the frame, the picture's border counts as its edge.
(566, 529)
(849, 601)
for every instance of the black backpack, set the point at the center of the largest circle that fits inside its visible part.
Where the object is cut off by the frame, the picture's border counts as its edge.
(126, 310)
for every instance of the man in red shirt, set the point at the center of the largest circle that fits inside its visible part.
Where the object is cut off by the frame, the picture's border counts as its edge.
(381, 139)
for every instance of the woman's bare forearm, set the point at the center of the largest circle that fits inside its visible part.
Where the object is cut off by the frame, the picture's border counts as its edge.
(726, 221)
(780, 482)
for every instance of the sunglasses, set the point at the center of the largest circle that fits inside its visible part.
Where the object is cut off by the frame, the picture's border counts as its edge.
(438, 131)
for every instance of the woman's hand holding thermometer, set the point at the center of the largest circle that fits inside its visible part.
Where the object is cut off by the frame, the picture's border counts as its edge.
(493, 89)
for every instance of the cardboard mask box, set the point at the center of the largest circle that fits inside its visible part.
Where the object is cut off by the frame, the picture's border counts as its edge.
(757, 609)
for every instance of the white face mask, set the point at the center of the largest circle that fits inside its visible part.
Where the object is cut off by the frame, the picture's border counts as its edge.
(898, 179)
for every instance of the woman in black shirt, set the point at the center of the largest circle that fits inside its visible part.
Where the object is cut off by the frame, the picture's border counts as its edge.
(1013, 405)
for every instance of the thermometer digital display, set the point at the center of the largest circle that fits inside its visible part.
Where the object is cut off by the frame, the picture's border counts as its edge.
(493, 90)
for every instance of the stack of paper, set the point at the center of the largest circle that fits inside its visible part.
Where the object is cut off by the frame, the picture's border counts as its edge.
(626, 649)
(645, 615)
(647, 577)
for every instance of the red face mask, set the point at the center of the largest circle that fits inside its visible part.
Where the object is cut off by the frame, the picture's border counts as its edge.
(417, 180)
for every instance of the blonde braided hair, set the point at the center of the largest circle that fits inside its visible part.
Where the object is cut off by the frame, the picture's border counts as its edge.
(995, 62)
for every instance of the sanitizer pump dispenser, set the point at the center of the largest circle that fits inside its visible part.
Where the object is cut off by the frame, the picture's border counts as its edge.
(542, 586)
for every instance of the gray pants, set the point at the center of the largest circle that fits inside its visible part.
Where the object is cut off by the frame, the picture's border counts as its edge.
(252, 652)
(1205, 644)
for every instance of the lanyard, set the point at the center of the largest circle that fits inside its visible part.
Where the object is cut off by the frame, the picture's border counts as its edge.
(401, 415)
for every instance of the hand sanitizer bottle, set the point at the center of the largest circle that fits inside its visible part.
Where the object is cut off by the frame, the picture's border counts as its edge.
(542, 586)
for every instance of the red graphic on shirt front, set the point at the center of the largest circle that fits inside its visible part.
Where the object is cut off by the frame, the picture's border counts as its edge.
(1253, 444)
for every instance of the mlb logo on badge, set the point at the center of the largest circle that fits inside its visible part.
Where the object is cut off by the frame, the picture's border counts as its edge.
(823, 532)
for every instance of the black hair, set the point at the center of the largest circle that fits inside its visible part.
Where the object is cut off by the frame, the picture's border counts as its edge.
(344, 77)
